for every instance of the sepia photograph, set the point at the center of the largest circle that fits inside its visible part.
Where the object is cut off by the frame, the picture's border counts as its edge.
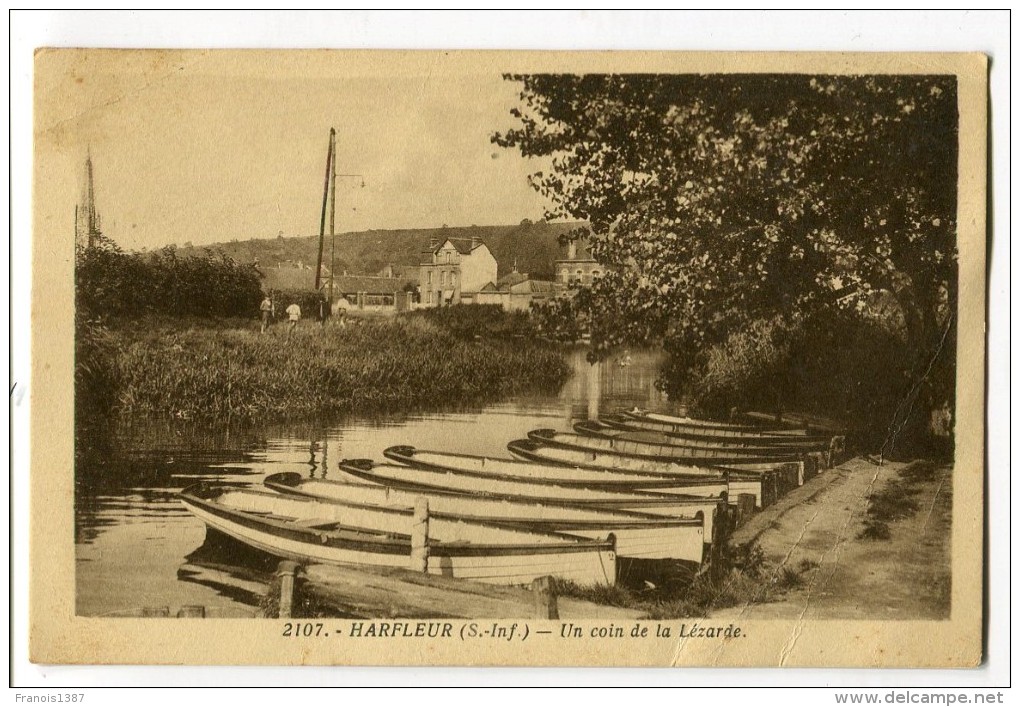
(514, 359)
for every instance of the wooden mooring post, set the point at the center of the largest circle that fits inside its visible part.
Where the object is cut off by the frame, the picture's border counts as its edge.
(546, 606)
(745, 508)
(769, 488)
(720, 537)
(420, 535)
(286, 571)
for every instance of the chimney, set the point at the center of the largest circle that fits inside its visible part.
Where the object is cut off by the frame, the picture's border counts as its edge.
(572, 250)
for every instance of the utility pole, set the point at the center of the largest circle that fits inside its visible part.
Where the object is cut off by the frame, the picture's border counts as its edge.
(322, 219)
(332, 219)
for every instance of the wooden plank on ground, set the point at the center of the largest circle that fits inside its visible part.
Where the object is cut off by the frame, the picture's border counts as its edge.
(360, 592)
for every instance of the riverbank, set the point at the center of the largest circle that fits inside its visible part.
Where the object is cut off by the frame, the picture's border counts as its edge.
(197, 369)
(857, 542)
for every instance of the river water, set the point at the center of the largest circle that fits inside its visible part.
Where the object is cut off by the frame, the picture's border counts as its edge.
(136, 545)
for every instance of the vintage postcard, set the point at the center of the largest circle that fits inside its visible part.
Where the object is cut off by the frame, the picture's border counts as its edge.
(508, 358)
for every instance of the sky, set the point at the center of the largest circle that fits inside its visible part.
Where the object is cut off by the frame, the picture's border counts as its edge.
(204, 147)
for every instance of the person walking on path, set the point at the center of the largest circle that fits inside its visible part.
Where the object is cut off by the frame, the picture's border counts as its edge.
(267, 312)
(294, 314)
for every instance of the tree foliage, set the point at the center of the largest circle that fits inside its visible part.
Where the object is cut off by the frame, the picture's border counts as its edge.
(113, 284)
(719, 201)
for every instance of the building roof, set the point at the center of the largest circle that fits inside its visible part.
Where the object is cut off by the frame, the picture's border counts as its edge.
(370, 285)
(535, 287)
(292, 278)
(520, 283)
(464, 246)
(512, 279)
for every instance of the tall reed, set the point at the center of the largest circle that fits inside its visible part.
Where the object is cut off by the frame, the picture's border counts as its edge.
(375, 365)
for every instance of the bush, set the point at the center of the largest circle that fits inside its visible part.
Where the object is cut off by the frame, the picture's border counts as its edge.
(560, 320)
(110, 283)
(95, 387)
(841, 366)
(743, 370)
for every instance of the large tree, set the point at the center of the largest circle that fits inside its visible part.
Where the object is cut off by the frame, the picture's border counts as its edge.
(719, 201)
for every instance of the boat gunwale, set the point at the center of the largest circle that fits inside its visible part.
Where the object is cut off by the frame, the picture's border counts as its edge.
(542, 436)
(814, 442)
(643, 480)
(648, 499)
(291, 531)
(791, 428)
(638, 522)
(640, 413)
(583, 429)
(517, 447)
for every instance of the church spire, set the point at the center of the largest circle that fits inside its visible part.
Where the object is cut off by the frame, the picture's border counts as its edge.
(86, 218)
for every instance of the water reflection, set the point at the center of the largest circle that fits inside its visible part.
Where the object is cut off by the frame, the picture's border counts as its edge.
(136, 546)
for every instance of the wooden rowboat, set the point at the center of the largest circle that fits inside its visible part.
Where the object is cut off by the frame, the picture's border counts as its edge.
(748, 476)
(638, 535)
(749, 445)
(679, 453)
(334, 533)
(405, 478)
(666, 432)
(669, 479)
(691, 425)
(696, 424)
(678, 474)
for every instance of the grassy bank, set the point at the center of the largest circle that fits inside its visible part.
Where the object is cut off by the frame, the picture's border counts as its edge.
(205, 369)
(748, 580)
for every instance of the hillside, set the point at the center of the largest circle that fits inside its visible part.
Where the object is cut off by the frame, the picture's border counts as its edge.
(532, 246)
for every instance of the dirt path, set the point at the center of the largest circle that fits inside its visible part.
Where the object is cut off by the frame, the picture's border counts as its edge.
(814, 533)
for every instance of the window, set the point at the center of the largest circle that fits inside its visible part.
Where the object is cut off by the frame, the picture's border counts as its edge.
(565, 275)
(429, 277)
(443, 278)
(453, 279)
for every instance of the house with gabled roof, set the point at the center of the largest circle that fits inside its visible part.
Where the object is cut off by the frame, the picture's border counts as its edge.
(455, 270)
